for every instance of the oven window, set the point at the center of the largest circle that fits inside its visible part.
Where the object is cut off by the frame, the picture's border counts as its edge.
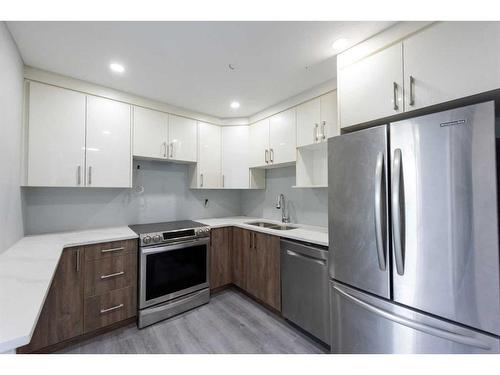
(172, 271)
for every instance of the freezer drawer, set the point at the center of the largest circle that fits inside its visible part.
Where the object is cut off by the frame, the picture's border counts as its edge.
(304, 287)
(362, 323)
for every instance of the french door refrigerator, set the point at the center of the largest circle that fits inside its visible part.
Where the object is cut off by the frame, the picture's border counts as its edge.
(413, 228)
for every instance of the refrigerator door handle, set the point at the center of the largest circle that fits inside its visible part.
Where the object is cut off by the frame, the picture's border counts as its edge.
(431, 330)
(396, 208)
(379, 168)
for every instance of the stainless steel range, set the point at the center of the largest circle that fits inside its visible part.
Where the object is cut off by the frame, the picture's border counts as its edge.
(173, 269)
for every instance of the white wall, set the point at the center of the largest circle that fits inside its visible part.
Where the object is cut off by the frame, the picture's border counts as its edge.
(11, 100)
(166, 197)
(306, 206)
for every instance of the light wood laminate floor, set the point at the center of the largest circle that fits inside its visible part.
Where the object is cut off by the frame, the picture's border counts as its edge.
(230, 323)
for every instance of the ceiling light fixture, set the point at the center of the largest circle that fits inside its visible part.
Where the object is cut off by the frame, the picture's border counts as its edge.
(117, 68)
(235, 105)
(340, 44)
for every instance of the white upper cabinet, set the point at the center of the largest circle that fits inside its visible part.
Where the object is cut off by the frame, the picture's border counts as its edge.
(109, 157)
(282, 137)
(451, 60)
(308, 122)
(150, 133)
(182, 138)
(372, 88)
(259, 143)
(209, 163)
(317, 120)
(56, 136)
(329, 122)
(235, 157)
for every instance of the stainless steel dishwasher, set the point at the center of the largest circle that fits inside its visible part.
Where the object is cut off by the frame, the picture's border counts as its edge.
(304, 287)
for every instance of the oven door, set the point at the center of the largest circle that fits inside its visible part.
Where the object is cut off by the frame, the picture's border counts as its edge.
(173, 270)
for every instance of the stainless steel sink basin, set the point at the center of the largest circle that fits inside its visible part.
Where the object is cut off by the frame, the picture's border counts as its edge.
(264, 224)
(283, 227)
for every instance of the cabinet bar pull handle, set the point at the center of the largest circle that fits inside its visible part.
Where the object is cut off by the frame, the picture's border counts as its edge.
(265, 156)
(172, 149)
(201, 177)
(395, 95)
(112, 250)
(412, 94)
(78, 260)
(323, 126)
(316, 137)
(223, 180)
(79, 175)
(271, 155)
(112, 308)
(90, 175)
(165, 149)
(103, 277)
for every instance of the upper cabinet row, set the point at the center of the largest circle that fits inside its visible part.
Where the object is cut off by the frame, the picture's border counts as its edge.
(443, 62)
(76, 139)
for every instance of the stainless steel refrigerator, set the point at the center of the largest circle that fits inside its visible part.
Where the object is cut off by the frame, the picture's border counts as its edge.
(413, 228)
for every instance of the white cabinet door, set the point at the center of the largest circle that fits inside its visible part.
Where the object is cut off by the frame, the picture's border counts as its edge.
(372, 88)
(235, 170)
(451, 60)
(282, 137)
(150, 133)
(209, 162)
(329, 123)
(182, 136)
(56, 136)
(308, 122)
(109, 160)
(259, 143)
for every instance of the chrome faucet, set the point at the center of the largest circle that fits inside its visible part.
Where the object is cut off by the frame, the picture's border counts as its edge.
(280, 204)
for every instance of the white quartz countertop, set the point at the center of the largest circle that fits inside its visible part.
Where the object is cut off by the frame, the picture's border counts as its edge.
(306, 233)
(26, 272)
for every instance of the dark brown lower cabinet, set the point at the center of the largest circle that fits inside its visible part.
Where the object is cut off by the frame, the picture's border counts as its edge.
(256, 265)
(220, 257)
(61, 316)
(94, 287)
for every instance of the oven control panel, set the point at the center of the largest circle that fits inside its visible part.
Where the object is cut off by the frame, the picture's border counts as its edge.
(149, 239)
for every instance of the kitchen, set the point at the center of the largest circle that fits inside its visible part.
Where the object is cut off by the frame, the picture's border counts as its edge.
(141, 219)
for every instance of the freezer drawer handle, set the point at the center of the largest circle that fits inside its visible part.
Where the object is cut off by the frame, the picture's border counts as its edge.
(397, 207)
(379, 169)
(431, 330)
(316, 260)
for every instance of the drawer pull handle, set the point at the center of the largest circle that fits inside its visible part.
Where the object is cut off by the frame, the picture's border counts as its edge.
(112, 275)
(112, 308)
(112, 250)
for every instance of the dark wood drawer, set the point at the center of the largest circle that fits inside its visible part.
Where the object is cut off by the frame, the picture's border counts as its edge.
(105, 275)
(101, 311)
(109, 249)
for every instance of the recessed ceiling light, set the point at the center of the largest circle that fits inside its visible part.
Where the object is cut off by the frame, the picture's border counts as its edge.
(340, 44)
(117, 68)
(235, 105)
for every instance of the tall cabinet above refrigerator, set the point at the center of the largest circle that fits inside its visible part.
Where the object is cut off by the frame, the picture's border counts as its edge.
(413, 228)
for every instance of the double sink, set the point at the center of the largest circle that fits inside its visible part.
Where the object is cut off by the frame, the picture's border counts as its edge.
(264, 224)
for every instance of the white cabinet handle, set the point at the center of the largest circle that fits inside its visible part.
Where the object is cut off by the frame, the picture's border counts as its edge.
(323, 128)
(165, 149)
(172, 149)
(271, 155)
(412, 94)
(201, 179)
(90, 175)
(265, 156)
(79, 175)
(223, 180)
(316, 128)
(395, 95)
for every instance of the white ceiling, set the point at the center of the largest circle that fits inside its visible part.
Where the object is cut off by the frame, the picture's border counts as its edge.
(186, 63)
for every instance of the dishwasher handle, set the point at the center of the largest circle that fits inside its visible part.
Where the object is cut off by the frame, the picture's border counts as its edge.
(306, 257)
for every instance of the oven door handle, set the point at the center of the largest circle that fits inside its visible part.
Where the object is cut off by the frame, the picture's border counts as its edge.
(175, 246)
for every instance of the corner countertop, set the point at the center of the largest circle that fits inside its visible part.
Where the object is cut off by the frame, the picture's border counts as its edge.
(26, 272)
(306, 233)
